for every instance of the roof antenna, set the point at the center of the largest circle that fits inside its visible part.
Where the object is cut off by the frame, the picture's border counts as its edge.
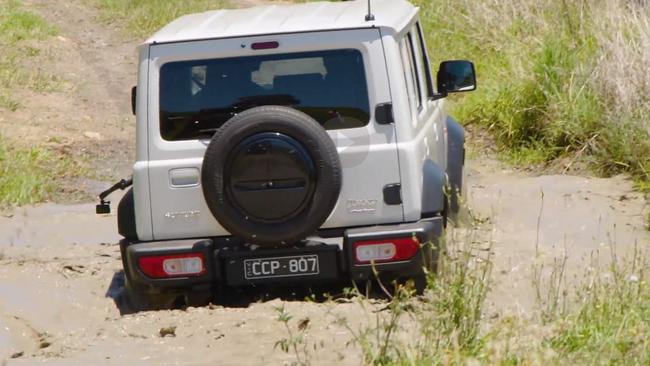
(370, 17)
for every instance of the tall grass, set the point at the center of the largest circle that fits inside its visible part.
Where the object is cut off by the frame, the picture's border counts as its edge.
(443, 325)
(558, 78)
(606, 323)
(142, 18)
(611, 323)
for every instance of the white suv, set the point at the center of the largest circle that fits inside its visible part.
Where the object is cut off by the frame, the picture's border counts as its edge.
(285, 144)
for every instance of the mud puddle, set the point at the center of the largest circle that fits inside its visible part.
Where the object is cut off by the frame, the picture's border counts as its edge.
(60, 275)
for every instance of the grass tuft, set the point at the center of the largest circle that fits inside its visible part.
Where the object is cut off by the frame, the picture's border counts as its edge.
(18, 25)
(30, 175)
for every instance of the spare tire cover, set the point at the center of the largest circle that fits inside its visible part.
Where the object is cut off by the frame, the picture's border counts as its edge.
(271, 176)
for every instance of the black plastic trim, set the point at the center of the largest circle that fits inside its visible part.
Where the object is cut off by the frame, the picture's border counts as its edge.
(433, 189)
(427, 232)
(455, 162)
(133, 251)
(393, 194)
(126, 217)
(384, 114)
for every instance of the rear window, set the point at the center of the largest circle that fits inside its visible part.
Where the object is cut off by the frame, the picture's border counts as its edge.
(198, 97)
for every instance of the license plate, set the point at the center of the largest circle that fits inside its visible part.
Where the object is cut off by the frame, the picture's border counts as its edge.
(299, 265)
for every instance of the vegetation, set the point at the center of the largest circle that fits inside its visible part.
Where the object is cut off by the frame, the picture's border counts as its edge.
(558, 79)
(606, 323)
(16, 26)
(25, 174)
(144, 17)
(29, 175)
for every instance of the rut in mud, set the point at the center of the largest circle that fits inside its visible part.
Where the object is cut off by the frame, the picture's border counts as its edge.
(60, 268)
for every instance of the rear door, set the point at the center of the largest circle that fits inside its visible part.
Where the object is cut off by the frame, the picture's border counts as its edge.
(337, 77)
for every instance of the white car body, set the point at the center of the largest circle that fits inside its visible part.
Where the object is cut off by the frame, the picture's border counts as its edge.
(169, 203)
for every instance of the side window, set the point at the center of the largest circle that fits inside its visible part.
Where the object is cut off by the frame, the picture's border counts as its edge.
(409, 74)
(414, 69)
(424, 65)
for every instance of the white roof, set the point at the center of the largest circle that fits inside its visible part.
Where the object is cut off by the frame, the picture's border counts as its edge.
(277, 19)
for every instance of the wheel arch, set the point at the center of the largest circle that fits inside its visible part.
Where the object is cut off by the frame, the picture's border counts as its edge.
(433, 189)
(455, 162)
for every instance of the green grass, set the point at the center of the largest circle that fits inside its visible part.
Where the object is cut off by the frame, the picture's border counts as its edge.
(607, 320)
(27, 175)
(550, 84)
(30, 175)
(144, 17)
(611, 328)
(17, 26)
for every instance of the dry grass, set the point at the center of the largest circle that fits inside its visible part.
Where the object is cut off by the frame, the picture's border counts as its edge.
(623, 32)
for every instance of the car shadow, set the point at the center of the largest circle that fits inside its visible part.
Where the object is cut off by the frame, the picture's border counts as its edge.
(117, 293)
(243, 297)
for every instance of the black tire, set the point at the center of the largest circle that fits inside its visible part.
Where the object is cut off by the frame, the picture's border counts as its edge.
(320, 193)
(431, 261)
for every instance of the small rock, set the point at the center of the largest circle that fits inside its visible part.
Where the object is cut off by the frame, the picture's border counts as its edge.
(44, 344)
(168, 331)
(93, 135)
(18, 354)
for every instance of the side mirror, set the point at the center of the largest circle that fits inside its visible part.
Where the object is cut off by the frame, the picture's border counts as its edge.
(456, 77)
(134, 98)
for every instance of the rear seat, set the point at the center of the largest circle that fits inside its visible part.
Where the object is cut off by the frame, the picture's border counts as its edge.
(307, 88)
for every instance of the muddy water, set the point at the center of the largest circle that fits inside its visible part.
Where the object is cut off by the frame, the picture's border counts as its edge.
(60, 277)
(5, 339)
(53, 224)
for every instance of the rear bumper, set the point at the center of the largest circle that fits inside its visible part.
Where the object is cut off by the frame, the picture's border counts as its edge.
(224, 259)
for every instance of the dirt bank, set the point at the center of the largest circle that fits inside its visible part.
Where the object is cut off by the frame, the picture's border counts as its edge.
(536, 220)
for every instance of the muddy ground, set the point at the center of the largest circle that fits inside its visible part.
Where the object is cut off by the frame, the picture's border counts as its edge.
(60, 278)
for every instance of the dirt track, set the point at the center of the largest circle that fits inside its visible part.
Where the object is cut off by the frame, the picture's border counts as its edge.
(60, 274)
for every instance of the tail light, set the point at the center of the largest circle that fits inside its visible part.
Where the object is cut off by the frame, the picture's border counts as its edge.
(385, 250)
(178, 265)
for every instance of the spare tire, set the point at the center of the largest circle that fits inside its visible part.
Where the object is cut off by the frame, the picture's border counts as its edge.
(271, 176)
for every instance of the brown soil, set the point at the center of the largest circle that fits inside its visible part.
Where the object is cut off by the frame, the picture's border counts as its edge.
(60, 269)
(89, 118)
